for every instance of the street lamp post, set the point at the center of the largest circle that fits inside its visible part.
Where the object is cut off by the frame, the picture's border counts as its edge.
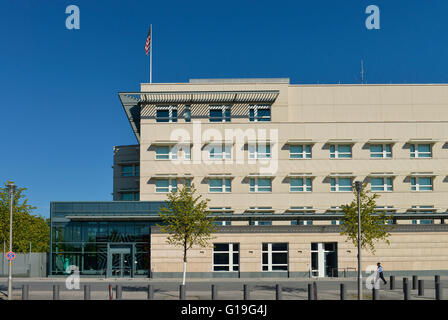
(358, 187)
(12, 189)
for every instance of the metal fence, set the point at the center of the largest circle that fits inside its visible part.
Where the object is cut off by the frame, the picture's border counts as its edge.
(32, 264)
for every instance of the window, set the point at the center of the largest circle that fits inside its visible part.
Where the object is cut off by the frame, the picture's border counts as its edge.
(166, 114)
(171, 153)
(166, 185)
(380, 151)
(420, 151)
(219, 152)
(341, 184)
(300, 151)
(187, 113)
(259, 151)
(219, 114)
(260, 223)
(425, 221)
(274, 257)
(260, 185)
(132, 170)
(302, 222)
(337, 222)
(339, 151)
(221, 223)
(226, 256)
(260, 113)
(421, 184)
(219, 185)
(129, 196)
(218, 211)
(381, 184)
(300, 184)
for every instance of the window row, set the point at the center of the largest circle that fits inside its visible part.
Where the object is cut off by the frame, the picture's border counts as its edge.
(296, 151)
(217, 113)
(305, 184)
(274, 257)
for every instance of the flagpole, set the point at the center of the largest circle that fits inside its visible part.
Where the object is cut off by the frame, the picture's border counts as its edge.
(150, 54)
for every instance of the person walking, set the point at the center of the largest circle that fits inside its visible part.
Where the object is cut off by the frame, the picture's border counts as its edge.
(380, 272)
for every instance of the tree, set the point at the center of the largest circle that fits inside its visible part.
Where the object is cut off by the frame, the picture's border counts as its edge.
(185, 219)
(26, 226)
(373, 223)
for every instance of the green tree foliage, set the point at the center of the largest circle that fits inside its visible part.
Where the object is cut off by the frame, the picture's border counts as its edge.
(373, 223)
(186, 220)
(26, 226)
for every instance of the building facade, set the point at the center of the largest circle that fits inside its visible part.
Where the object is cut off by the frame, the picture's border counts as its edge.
(277, 161)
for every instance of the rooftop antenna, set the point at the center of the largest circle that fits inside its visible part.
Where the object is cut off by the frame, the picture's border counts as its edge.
(362, 71)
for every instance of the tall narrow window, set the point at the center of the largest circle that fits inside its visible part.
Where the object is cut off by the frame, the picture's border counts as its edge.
(187, 113)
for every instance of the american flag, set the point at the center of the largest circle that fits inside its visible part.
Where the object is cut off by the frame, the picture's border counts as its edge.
(148, 41)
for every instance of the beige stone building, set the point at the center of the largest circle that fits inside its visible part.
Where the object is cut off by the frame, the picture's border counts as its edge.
(277, 160)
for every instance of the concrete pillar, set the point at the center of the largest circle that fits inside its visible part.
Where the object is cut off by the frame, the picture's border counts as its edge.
(310, 292)
(150, 292)
(214, 292)
(343, 291)
(278, 292)
(439, 291)
(182, 292)
(246, 290)
(118, 292)
(55, 292)
(421, 287)
(87, 292)
(26, 292)
(392, 282)
(414, 282)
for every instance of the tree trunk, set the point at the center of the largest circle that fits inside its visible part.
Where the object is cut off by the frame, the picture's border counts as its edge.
(185, 265)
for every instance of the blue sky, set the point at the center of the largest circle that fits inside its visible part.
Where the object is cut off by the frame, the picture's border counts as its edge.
(60, 113)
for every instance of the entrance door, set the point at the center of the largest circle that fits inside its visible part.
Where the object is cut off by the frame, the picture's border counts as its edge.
(119, 261)
(324, 259)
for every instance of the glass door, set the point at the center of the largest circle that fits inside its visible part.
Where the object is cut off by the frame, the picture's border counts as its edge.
(119, 262)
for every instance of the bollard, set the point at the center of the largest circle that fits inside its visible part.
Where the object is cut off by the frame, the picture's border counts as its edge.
(111, 293)
(214, 292)
(421, 287)
(343, 292)
(310, 291)
(436, 279)
(182, 292)
(150, 292)
(314, 290)
(414, 282)
(278, 292)
(25, 292)
(246, 291)
(392, 282)
(118, 291)
(55, 292)
(405, 289)
(439, 291)
(87, 292)
(374, 294)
